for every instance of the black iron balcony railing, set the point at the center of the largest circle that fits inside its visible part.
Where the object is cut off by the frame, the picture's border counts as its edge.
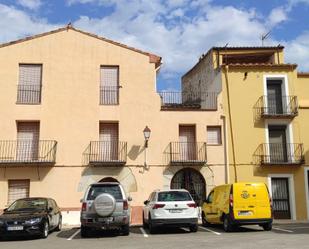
(108, 152)
(28, 151)
(187, 153)
(198, 100)
(272, 106)
(280, 154)
(109, 95)
(29, 94)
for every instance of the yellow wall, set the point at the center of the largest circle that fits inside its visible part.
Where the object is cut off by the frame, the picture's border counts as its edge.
(248, 133)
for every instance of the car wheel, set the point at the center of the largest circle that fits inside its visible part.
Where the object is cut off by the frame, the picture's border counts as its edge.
(84, 231)
(227, 226)
(59, 227)
(267, 226)
(150, 225)
(45, 230)
(204, 221)
(145, 225)
(125, 230)
(193, 228)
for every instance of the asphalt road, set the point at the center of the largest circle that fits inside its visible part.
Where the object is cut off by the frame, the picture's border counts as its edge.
(282, 236)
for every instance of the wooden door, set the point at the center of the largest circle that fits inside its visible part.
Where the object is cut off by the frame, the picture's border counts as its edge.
(187, 144)
(274, 97)
(109, 141)
(277, 144)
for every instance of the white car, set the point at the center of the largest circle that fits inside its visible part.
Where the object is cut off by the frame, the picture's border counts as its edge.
(170, 208)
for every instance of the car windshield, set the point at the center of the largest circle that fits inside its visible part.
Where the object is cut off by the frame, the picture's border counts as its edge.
(174, 196)
(96, 190)
(28, 204)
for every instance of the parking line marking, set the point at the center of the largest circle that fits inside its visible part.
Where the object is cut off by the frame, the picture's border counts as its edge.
(283, 230)
(209, 230)
(74, 234)
(144, 232)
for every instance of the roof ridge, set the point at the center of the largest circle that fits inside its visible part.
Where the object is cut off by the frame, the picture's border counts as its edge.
(152, 57)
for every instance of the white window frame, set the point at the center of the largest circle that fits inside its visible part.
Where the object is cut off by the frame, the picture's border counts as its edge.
(291, 191)
(306, 170)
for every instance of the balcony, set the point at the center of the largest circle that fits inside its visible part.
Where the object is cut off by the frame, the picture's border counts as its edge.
(188, 100)
(28, 152)
(107, 153)
(185, 153)
(274, 107)
(29, 94)
(109, 95)
(280, 154)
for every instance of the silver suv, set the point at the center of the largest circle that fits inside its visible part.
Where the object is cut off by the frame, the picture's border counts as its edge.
(105, 206)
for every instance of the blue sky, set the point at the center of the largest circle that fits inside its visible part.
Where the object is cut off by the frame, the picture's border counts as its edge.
(178, 30)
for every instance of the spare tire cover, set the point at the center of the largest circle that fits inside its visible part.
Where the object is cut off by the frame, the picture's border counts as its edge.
(104, 204)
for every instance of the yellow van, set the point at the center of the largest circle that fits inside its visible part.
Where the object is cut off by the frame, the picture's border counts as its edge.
(238, 204)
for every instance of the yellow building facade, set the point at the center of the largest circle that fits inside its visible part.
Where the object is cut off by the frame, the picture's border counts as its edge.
(266, 114)
(73, 109)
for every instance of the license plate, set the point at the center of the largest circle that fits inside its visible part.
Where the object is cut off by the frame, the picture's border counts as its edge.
(15, 228)
(106, 220)
(244, 213)
(175, 210)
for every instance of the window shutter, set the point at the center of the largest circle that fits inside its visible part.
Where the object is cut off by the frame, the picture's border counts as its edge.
(30, 74)
(109, 76)
(18, 189)
(214, 135)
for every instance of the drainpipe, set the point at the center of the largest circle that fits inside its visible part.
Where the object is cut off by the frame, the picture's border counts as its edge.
(230, 119)
(226, 158)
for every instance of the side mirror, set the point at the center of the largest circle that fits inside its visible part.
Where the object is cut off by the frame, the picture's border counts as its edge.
(4, 210)
(81, 200)
(129, 198)
(146, 202)
(50, 209)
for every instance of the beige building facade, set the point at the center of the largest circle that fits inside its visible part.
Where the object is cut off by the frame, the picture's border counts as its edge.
(73, 108)
(266, 108)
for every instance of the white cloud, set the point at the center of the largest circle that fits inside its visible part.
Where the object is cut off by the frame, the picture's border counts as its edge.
(15, 24)
(30, 4)
(276, 16)
(297, 51)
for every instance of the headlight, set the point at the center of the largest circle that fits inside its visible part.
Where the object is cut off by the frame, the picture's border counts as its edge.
(1, 222)
(33, 221)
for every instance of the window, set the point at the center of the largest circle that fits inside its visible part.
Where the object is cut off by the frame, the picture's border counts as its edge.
(18, 189)
(28, 134)
(214, 135)
(29, 85)
(210, 197)
(174, 196)
(109, 85)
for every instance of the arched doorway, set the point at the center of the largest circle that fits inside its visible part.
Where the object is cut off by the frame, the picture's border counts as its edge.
(191, 180)
(108, 179)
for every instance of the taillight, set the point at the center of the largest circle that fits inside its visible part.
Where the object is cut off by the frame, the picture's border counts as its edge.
(156, 206)
(84, 206)
(192, 205)
(231, 200)
(125, 205)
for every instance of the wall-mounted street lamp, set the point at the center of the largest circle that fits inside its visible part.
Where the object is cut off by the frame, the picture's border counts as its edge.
(146, 132)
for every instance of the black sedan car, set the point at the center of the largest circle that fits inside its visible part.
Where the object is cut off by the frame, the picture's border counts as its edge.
(30, 216)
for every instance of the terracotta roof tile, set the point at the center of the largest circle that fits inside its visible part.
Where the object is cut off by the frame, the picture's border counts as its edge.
(302, 74)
